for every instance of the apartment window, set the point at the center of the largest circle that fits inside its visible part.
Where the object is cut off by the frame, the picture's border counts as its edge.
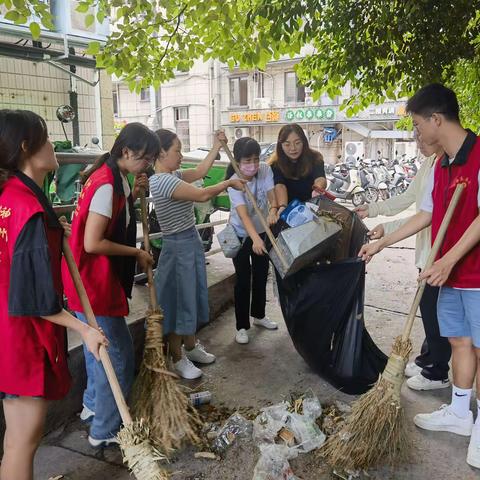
(239, 92)
(259, 84)
(294, 92)
(115, 103)
(145, 95)
(182, 126)
(180, 113)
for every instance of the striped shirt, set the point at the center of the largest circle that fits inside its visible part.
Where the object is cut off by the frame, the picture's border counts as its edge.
(173, 215)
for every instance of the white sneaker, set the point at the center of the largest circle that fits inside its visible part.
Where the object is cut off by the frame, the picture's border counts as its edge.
(242, 336)
(199, 354)
(86, 414)
(473, 456)
(105, 442)
(419, 382)
(444, 420)
(412, 369)
(265, 322)
(186, 369)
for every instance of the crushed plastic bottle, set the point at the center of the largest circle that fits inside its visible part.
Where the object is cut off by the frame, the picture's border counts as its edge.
(237, 426)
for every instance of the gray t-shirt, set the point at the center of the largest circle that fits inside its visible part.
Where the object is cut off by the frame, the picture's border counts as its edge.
(174, 216)
(260, 185)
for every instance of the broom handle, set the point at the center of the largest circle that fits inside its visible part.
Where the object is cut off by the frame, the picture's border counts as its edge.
(431, 258)
(146, 242)
(255, 206)
(90, 316)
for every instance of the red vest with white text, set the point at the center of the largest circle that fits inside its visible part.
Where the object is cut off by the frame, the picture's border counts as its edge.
(32, 350)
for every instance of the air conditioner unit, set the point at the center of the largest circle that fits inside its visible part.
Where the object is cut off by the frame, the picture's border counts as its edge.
(262, 103)
(242, 132)
(354, 150)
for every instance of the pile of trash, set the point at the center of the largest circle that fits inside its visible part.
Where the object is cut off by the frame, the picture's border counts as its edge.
(282, 432)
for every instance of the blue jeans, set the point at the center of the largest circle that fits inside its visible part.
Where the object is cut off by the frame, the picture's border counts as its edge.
(98, 395)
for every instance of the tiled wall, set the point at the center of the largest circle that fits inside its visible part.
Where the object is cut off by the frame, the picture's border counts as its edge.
(42, 88)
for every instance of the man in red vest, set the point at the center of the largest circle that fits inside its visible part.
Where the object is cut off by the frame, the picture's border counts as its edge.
(435, 113)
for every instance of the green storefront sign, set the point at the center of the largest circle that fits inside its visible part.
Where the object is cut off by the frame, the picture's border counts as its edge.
(309, 114)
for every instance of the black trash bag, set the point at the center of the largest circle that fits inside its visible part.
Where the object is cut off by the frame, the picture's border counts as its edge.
(323, 308)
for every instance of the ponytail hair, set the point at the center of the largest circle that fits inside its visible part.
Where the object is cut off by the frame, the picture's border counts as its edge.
(166, 138)
(134, 136)
(22, 134)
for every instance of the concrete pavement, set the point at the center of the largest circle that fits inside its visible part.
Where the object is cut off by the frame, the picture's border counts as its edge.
(268, 370)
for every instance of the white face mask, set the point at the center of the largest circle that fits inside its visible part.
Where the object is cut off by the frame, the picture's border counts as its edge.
(249, 169)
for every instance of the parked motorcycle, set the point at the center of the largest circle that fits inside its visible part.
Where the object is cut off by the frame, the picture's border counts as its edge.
(345, 184)
(367, 182)
(381, 179)
(399, 183)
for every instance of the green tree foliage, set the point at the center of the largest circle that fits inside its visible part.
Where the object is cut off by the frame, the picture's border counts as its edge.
(384, 48)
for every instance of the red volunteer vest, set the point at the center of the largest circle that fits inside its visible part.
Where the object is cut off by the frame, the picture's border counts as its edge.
(465, 168)
(32, 353)
(98, 272)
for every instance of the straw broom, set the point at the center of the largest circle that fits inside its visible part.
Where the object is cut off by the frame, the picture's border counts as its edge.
(377, 428)
(156, 394)
(134, 437)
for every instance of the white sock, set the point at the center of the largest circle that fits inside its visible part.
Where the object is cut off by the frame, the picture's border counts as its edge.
(477, 422)
(460, 405)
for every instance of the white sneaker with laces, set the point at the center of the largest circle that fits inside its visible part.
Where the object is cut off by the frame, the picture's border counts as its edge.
(444, 420)
(420, 383)
(412, 369)
(186, 369)
(199, 354)
(102, 443)
(86, 414)
(242, 336)
(473, 456)
(265, 322)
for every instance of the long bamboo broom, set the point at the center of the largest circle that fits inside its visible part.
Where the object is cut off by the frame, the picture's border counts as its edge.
(156, 394)
(134, 437)
(376, 428)
(259, 213)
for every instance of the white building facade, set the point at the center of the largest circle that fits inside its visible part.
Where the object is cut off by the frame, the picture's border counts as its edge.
(186, 105)
(258, 104)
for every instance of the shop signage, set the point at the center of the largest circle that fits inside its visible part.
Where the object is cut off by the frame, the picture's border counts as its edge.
(303, 114)
(252, 117)
(309, 114)
(389, 110)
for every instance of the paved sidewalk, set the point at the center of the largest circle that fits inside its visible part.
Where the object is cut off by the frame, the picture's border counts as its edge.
(269, 369)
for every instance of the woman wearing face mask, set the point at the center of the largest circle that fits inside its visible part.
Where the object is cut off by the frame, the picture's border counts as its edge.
(297, 169)
(251, 263)
(103, 242)
(33, 360)
(181, 279)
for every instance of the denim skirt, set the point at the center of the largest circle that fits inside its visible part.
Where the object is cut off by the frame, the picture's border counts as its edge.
(181, 283)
